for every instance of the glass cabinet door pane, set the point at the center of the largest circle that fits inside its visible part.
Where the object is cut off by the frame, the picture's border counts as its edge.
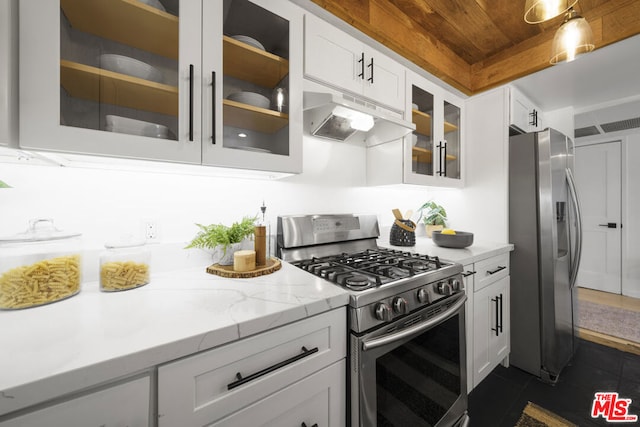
(451, 150)
(256, 79)
(422, 139)
(119, 66)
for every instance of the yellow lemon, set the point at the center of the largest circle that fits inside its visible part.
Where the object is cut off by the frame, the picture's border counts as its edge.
(448, 231)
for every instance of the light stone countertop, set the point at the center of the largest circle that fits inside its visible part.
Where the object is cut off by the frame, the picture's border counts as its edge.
(94, 337)
(474, 253)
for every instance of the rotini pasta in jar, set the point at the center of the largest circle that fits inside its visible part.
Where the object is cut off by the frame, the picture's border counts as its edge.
(124, 265)
(40, 266)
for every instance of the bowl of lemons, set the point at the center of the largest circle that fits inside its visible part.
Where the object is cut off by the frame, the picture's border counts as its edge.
(449, 238)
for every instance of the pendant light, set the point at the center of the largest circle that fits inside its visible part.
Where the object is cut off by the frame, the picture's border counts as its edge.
(537, 11)
(573, 38)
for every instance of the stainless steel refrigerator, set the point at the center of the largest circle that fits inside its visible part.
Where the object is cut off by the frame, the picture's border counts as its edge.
(545, 228)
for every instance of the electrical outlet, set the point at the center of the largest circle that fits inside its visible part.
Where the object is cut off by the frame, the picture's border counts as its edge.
(151, 232)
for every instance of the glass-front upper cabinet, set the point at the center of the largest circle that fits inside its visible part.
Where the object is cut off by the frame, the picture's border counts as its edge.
(215, 82)
(255, 103)
(111, 77)
(434, 149)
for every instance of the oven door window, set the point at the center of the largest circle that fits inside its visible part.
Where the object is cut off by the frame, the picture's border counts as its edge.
(419, 381)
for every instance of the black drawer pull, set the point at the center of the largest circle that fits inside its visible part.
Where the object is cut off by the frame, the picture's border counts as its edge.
(500, 268)
(191, 102)
(468, 273)
(243, 380)
(305, 424)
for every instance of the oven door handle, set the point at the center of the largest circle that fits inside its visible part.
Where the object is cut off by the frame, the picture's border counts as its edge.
(415, 329)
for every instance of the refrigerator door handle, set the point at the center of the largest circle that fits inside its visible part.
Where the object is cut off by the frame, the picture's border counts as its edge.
(575, 264)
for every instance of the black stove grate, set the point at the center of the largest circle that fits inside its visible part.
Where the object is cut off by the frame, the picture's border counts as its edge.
(369, 268)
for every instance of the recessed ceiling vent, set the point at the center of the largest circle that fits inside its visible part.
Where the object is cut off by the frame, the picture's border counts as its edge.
(621, 125)
(586, 131)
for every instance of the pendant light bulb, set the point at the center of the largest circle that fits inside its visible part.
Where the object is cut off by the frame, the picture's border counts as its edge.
(537, 11)
(574, 37)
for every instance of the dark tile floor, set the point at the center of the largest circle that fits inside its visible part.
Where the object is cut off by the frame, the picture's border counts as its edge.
(501, 397)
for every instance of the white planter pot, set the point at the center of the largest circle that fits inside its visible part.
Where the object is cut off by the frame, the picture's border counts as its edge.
(222, 257)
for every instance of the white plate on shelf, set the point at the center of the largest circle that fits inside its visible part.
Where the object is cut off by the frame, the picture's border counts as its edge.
(249, 40)
(130, 66)
(154, 3)
(121, 124)
(250, 98)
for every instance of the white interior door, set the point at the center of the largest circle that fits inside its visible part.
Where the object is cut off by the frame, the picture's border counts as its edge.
(598, 178)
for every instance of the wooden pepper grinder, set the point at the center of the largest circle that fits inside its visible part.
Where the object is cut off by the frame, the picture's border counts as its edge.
(260, 242)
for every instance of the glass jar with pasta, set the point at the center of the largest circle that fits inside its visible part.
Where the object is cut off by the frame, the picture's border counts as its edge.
(39, 266)
(124, 265)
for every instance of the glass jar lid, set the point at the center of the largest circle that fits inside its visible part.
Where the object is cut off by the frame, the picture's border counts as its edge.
(39, 230)
(127, 241)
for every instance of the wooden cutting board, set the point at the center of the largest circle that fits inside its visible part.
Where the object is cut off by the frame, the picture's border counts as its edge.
(272, 265)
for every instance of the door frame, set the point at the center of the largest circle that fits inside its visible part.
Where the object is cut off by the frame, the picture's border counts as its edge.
(629, 287)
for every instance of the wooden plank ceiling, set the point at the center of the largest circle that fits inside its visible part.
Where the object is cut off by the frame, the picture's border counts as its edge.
(475, 45)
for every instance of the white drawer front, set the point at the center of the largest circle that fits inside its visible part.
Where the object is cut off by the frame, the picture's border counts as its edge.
(319, 399)
(121, 405)
(195, 390)
(491, 270)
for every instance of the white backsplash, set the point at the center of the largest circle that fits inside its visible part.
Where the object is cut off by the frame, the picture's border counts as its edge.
(104, 204)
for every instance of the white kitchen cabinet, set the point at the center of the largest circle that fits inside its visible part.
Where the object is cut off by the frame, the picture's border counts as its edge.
(66, 93)
(126, 404)
(525, 116)
(9, 73)
(239, 381)
(433, 154)
(241, 135)
(337, 59)
(317, 400)
(491, 313)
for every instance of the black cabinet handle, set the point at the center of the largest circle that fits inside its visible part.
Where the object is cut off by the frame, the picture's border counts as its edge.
(609, 225)
(468, 273)
(240, 380)
(191, 102)
(213, 107)
(500, 268)
(500, 326)
(444, 143)
(361, 62)
(371, 72)
(534, 118)
(498, 301)
(305, 424)
(439, 158)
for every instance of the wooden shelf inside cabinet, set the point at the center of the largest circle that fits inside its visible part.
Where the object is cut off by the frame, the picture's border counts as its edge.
(245, 116)
(423, 155)
(130, 22)
(96, 84)
(253, 65)
(423, 123)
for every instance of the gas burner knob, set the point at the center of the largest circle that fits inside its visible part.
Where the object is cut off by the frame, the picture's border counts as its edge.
(383, 312)
(444, 288)
(400, 305)
(423, 296)
(455, 285)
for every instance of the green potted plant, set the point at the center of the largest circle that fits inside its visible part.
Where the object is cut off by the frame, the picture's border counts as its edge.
(433, 216)
(221, 240)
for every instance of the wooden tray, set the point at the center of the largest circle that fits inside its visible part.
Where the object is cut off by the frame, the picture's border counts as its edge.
(273, 264)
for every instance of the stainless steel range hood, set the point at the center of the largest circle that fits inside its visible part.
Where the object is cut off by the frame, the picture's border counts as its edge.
(341, 118)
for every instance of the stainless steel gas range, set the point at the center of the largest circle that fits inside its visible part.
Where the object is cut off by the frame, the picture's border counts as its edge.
(407, 351)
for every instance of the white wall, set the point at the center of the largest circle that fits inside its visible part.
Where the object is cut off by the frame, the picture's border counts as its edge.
(103, 204)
